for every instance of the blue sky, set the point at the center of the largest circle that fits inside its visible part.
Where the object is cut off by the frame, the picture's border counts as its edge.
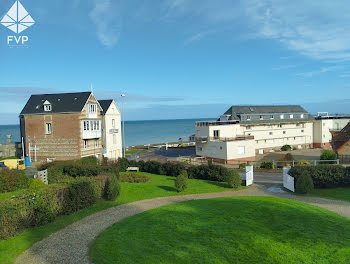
(181, 58)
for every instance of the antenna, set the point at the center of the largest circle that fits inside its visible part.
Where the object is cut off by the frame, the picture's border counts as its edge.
(91, 88)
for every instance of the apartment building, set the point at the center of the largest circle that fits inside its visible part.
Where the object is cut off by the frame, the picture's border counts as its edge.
(244, 131)
(62, 126)
(325, 125)
(111, 130)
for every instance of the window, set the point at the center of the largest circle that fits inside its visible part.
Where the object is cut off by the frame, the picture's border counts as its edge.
(216, 133)
(95, 125)
(47, 107)
(84, 125)
(87, 125)
(85, 144)
(48, 128)
(261, 117)
(92, 108)
(284, 132)
(248, 117)
(213, 150)
(270, 133)
(291, 116)
(279, 125)
(98, 125)
(302, 116)
(282, 116)
(96, 143)
(271, 117)
(249, 127)
(241, 150)
(113, 123)
(302, 131)
(298, 125)
(114, 139)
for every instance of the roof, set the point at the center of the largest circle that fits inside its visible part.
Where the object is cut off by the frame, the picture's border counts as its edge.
(60, 103)
(105, 105)
(265, 109)
(341, 137)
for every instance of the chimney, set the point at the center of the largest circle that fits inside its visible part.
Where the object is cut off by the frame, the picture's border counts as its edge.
(8, 139)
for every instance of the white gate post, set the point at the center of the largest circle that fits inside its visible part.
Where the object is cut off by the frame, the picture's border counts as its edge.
(249, 175)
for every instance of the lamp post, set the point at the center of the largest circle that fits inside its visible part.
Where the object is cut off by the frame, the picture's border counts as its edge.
(123, 139)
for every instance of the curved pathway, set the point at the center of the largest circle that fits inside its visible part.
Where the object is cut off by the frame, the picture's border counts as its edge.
(71, 244)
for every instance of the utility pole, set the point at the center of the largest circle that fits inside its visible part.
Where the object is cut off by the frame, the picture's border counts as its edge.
(123, 139)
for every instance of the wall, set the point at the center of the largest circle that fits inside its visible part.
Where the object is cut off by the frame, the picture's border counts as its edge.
(112, 150)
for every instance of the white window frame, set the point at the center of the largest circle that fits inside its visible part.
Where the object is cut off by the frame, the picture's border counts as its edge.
(48, 128)
(261, 117)
(113, 123)
(282, 116)
(92, 108)
(272, 117)
(241, 150)
(248, 118)
(302, 116)
(291, 116)
(47, 107)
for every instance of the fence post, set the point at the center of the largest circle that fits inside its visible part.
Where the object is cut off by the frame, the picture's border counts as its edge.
(315, 162)
(293, 162)
(337, 161)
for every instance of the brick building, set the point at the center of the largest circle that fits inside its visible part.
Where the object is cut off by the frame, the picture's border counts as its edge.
(62, 126)
(341, 144)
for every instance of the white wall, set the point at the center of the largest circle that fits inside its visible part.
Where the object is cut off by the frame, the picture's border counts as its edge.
(112, 141)
(323, 127)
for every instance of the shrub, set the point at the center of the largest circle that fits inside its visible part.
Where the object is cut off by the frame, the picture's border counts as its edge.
(304, 183)
(267, 165)
(286, 148)
(242, 165)
(112, 189)
(233, 179)
(328, 155)
(36, 184)
(323, 176)
(134, 177)
(181, 181)
(12, 180)
(303, 163)
(91, 161)
(55, 174)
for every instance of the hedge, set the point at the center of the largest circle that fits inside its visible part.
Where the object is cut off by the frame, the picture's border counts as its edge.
(12, 180)
(134, 177)
(324, 176)
(40, 206)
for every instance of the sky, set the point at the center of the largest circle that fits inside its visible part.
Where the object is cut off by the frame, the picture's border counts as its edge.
(181, 58)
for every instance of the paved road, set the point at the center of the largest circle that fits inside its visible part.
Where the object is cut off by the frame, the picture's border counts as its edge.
(267, 178)
(71, 244)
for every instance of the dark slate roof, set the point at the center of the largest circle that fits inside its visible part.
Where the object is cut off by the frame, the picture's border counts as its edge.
(264, 109)
(60, 103)
(105, 105)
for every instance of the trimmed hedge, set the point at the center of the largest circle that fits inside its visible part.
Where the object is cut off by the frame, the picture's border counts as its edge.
(40, 206)
(234, 179)
(12, 180)
(324, 176)
(134, 177)
(267, 165)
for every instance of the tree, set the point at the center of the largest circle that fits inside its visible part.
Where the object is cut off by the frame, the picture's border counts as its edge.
(233, 179)
(181, 181)
(328, 154)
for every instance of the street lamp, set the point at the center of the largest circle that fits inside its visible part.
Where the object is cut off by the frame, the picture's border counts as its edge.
(123, 139)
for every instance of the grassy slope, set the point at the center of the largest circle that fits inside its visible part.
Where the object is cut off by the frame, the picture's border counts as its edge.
(228, 230)
(158, 187)
(134, 151)
(334, 193)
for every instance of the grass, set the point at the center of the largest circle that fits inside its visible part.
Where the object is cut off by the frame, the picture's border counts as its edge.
(9, 195)
(227, 230)
(160, 186)
(134, 151)
(334, 193)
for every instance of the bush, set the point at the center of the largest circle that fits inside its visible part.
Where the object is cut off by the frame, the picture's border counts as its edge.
(55, 175)
(286, 148)
(112, 189)
(91, 161)
(134, 177)
(181, 181)
(304, 183)
(303, 163)
(267, 165)
(233, 179)
(323, 176)
(36, 184)
(242, 165)
(328, 155)
(12, 180)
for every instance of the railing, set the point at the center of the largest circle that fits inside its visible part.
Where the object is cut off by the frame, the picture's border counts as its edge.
(231, 138)
(216, 123)
(89, 134)
(198, 139)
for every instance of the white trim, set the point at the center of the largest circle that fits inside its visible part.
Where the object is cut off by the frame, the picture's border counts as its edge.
(91, 94)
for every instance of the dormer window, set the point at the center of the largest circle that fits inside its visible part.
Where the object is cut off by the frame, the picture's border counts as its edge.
(47, 106)
(92, 108)
(302, 116)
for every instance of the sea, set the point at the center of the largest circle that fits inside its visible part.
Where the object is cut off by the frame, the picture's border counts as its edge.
(136, 132)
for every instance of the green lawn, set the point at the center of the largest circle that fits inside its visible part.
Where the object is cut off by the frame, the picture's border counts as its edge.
(8, 195)
(134, 151)
(227, 230)
(159, 186)
(334, 193)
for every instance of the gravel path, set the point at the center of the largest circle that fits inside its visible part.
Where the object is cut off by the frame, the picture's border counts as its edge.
(71, 244)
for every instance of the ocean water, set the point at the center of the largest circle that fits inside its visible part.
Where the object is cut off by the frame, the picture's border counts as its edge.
(136, 132)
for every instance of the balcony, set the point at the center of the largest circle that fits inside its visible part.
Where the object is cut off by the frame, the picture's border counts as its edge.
(198, 139)
(216, 123)
(89, 134)
(226, 139)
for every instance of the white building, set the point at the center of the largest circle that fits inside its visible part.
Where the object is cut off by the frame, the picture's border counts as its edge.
(244, 131)
(111, 130)
(324, 125)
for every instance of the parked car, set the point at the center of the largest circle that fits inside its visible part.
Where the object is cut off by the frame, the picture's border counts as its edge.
(14, 164)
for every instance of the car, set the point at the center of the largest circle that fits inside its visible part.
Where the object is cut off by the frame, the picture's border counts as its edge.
(2, 166)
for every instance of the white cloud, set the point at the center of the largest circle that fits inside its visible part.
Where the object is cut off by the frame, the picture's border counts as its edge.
(320, 71)
(108, 21)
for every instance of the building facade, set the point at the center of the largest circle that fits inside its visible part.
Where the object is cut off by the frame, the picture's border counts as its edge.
(244, 131)
(325, 125)
(62, 126)
(341, 144)
(111, 130)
